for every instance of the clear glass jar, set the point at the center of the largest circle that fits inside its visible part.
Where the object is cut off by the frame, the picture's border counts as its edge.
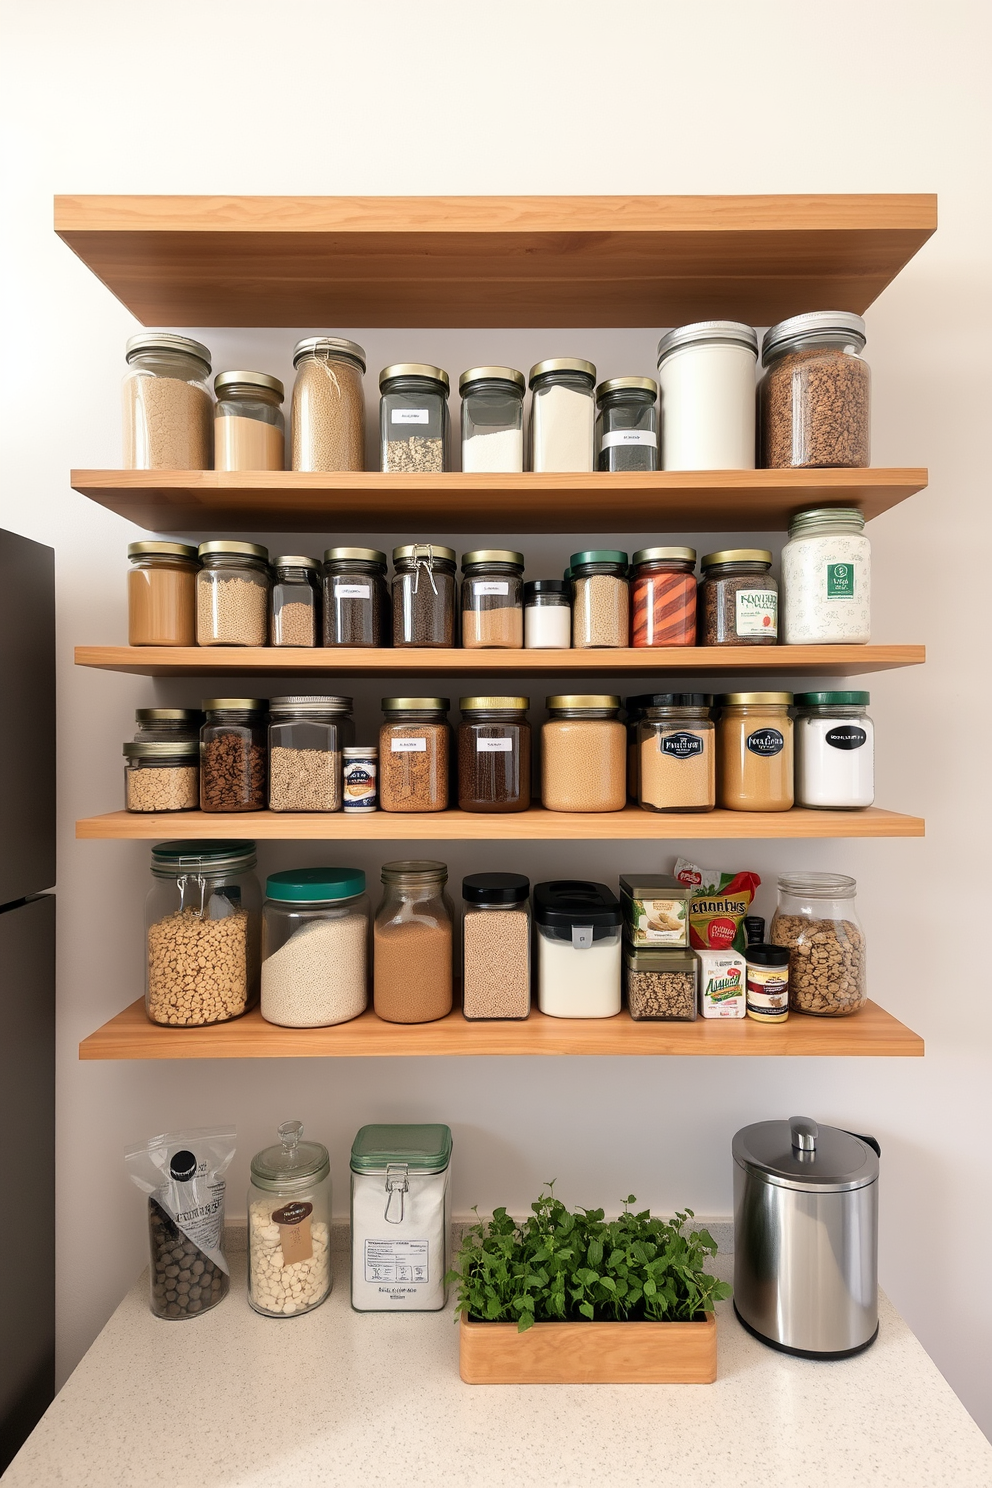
(168, 410)
(706, 375)
(167, 725)
(289, 1226)
(583, 754)
(492, 420)
(627, 424)
(161, 594)
(548, 615)
(413, 960)
(677, 753)
(835, 751)
(328, 404)
(400, 1221)
(815, 394)
(738, 599)
(356, 598)
(826, 579)
(360, 779)
(295, 602)
(202, 929)
(496, 945)
(316, 925)
(600, 599)
(162, 777)
(579, 928)
(754, 744)
(414, 751)
(492, 600)
(660, 985)
(233, 749)
(424, 593)
(249, 428)
(817, 920)
(232, 594)
(413, 418)
(663, 597)
(494, 754)
(306, 737)
(562, 415)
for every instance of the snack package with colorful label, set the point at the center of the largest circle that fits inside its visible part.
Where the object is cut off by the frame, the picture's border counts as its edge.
(718, 905)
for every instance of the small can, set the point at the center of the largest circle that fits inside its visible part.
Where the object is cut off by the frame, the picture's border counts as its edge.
(360, 770)
(722, 984)
(767, 983)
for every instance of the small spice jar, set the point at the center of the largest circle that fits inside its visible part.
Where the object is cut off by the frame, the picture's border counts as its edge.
(423, 595)
(706, 372)
(600, 599)
(660, 985)
(548, 615)
(494, 754)
(579, 927)
(162, 777)
(492, 600)
(496, 945)
(767, 995)
(815, 394)
(835, 751)
(289, 1226)
(413, 943)
(562, 415)
(627, 424)
(413, 754)
(167, 725)
(400, 1186)
(295, 602)
(676, 747)
(328, 404)
(826, 579)
(306, 738)
(492, 420)
(315, 942)
(413, 418)
(232, 594)
(817, 921)
(754, 744)
(360, 779)
(738, 599)
(249, 428)
(356, 598)
(583, 754)
(168, 410)
(663, 597)
(161, 594)
(233, 754)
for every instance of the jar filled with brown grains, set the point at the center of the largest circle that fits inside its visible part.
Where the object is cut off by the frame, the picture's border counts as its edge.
(232, 594)
(660, 985)
(817, 921)
(412, 939)
(496, 945)
(600, 598)
(413, 418)
(162, 777)
(423, 595)
(754, 743)
(294, 618)
(676, 768)
(168, 410)
(356, 598)
(306, 739)
(249, 428)
(493, 599)
(583, 754)
(414, 754)
(233, 754)
(167, 725)
(161, 594)
(494, 754)
(737, 599)
(328, 414)
(202, 932)
(814, 399)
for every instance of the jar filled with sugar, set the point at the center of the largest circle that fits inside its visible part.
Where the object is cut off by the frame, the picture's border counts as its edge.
(562, 415)
(492, 419)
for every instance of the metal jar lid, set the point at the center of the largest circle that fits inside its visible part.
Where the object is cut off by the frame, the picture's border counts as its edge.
(235, 705)
(657, 555)
(491, 374)
(493, 704)
(799, 328)
(290, 1163)
(328, 346)
(421, 1149)
(181, 748)
(226, 382)
(166, 341)
(800, 1154)
(701, 332)
(420, 870)
(743, 699)
(424, 552)
(294, 560)
(187, 855)
(415, 705)
(583, 700)
(492, 555)
(826, 516)
(354, 555)
(676, 700)
(414, 369)
(234, 549)
(622, 384)
(155, 548)
(562, 364)
(361, 751)
(192, 716)
(736, 555)
(311, 704)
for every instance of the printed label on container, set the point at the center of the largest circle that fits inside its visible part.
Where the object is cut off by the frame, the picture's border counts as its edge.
(630, 436)
(840, 580)
(768, 992)
(681, 745)
(846, 736)
(410, 415)
(757, 612)
(494, 746)
(294, 1232)
(722, 984)
(352, 591)
(766, 741)
(359, 785)
(659, 922)
(397, 1260)
(490, 586)
(408, 746)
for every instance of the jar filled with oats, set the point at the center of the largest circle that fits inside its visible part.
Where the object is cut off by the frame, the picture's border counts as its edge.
(162, 776)
(817, 921)
(168, 410)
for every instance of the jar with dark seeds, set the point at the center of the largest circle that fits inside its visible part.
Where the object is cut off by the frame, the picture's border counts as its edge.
(184, 1281)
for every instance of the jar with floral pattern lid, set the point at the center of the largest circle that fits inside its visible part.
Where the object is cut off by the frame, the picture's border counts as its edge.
(826, 579)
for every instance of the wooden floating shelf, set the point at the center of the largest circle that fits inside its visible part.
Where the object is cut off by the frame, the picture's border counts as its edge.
(872, 1032)
(370, 501)
(491, 260)
(536, 825)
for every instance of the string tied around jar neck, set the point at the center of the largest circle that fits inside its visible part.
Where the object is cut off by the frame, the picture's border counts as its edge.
(426, 564)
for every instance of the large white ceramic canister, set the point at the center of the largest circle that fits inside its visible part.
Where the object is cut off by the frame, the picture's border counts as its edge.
(826, 579)
(399, 1218)
(706, 377)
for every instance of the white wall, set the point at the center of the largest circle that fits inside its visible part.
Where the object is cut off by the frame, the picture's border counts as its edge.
(560, 96)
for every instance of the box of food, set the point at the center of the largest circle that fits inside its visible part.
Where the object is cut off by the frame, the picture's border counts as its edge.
(722, 984)
(655, 909)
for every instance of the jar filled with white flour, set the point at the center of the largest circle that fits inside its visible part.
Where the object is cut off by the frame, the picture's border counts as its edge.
(826, 579)
(399, 1218)
(315, 947)
(492, 420)
(706, 375)
(562, 414)
(835, 751)
(579, 928)
(289, 1226)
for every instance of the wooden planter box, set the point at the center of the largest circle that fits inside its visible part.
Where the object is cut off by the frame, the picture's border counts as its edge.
(588, 1353)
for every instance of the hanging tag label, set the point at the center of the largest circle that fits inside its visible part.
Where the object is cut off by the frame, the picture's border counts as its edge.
(294, 1232)
(410, 416)
(581, 937)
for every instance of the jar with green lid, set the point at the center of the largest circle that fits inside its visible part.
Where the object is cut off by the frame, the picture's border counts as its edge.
(356, 598)
(328, 404)
(232, 594)
(400, 1220)
(249, 428)
(294, 618)
(814, 398)
(826, 579)
(738, 599)
(168, 410)
(162, 777)
(234, 754)
(306, 737)
(423, 595)
(492, 599)
(413, 418)
(583, 754)
(161, 594)
(289, 1225)
(167, 725)
(835, 751)
(627, 424)
(316, 924)
(492, 420)
(562, 415)
(600, 599)
(494, 754)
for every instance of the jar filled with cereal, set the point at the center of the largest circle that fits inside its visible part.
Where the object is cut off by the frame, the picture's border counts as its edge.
(289, 1225)
(817, 921)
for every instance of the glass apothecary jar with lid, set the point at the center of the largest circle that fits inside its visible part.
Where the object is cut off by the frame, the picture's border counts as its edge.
(233, 754)
(627, 424)
(413, 418)
(676, 767)
(826, 579)
(817, 922)
(413, 943)
(600, 599)
(815, 393)
(232, 594)
(167, 725)
(356, 598)
(548, 615)
(400, 1221)
(424, 593)
(289, 1225)
(316, 924)
(306, 739)
(295, 601)
(162, 777)
(494, 754)
(496, 945)
(578, 935)
(737, 599)
(161, 594)
(563, 415)
(663, 597)
(414, 750)
(492, 420)
(754, 745)
(706, 376)
(835, 751)
(328, 416)
(492, 599)
(249, 428)
(583, 754)
(168, 410)
(202, 932)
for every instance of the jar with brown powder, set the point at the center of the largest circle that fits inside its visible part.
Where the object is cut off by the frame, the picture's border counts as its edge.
(583, 754)
(412, 938)
(424, 591)
(494, 754)
(413, 754)
(161, 594)
(249, 428)
(738, 599)
(677, 754)
(168, 410)
(755, 749)
(492, 599)
(328, 404)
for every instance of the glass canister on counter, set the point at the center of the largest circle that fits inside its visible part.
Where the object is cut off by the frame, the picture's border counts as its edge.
(496, 945)
(413, 418)
(356, 598)
(233, 754)
(578, 949)
(306, 739)
(706, 375)
(826, 579)
(162, 776)
(817, 922)
(815, 394)
(738, 599)
(423, 595)
(249, 428)
(315, 947)
(754, 746)
(412, 942)
(562, 415)
(232, 594)
(167, 725)
(414, 751)
(161, 594)
(600, 598)
(494, 754)
(583, 754)
(627, 424)
(676, 745)
(289, 1225)
(400, 1218)
(168, 410)
(295, 600)
(835, 751)
(548, 615)
(202, 932)
(492, 600)
(492, 419)
(328, 404)
(663, 597)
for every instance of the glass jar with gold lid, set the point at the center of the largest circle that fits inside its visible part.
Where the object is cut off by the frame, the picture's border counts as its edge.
(413, 418)
(584, 754)
(754, 751)
(249, 427)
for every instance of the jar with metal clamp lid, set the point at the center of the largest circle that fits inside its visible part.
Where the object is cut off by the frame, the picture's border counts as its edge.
(399, 1218)
(424, 590)
(289, 1226)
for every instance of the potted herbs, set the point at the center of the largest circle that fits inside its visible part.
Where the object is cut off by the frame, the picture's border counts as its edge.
(574, 1298)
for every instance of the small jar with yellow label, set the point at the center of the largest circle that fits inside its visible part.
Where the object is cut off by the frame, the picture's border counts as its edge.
(289, 1222)
(754, 751)
(767, 983)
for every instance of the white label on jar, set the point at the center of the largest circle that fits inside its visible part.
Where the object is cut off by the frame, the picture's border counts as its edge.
(352, 591)
(630, 436)
(410, 415)
(494, 746)
(757, 612)
(397, 1260)
(490, 586)
(408, 746)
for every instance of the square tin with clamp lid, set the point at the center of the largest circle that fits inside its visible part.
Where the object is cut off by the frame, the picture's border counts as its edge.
(399, 1218)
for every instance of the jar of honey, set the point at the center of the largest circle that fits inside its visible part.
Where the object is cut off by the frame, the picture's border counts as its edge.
(754, 751)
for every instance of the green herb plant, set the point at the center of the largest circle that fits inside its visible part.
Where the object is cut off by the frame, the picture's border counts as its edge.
(560, 1266)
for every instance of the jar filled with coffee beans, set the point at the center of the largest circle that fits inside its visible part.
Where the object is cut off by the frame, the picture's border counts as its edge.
(233, 749)
(817, 921)
(814, 398)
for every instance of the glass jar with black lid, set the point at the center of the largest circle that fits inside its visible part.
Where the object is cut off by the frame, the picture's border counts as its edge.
(627, 424)
(492, 600)
(677, 753)
(548, 615)
(494, 754)
(737, 599)
(356, 598)
(496, 945)
(492, 419)
(233, 754)
(413, 418)
(423, 594)
(167, 725)
(562, 415)
(295, 612)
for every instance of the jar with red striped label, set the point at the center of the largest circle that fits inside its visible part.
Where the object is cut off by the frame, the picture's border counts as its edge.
(663, 597)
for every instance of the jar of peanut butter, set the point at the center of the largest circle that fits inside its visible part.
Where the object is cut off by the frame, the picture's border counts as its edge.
(754, 751)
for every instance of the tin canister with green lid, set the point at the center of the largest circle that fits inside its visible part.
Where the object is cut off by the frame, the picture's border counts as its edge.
(289, 1225)
(315, 947)
(400, 1218)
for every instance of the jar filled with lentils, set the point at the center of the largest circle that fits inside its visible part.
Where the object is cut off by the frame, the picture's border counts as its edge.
(814, 398)
(494, 754)
(295, 612)
(232, 594)
(677, 753)
(492, 600)
(583, 754)
(356, 598)
(233, 754)
(328, 404)
(306, 739)
(423, 595)
(663, 597)
(496, 945)
(414, 751)
(413, 418)
(600, 599)
(817, 921)
(162, 777)
(738, 599)
(627, 424)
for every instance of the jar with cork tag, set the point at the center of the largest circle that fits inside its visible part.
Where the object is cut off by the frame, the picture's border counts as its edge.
(289, 1225)
(328, 404)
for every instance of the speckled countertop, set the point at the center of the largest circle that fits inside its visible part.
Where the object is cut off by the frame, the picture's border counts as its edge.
(338, 1399)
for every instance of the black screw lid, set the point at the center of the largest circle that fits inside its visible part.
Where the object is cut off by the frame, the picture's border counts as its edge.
(678, 700)
(571, 901)
(767, 955)
(545, 586)
(754, 929)
(495, 888)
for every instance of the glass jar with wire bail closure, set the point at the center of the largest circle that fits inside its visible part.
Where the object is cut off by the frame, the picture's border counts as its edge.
(627, 424)
(677, 753)
(232, 594)
(233, 754)
(423, 595)
(563, 415)
(492, 420)
(583, 754)
(492, 600)
(663, 597)
(600, 599)
(413, 418)
(289, 1226)
(414, 754)
(168, 410)
(328, 404)
(295, 601)
(400, 1226)
(737, 599)
(161, 594)
(413, 959)
(754, 743)
(306, 739)
(494, 754)
(814, 397)
(356, 598)
(249, 428)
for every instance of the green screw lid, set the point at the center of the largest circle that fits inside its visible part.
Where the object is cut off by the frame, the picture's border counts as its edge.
(832, 699)
(598, 555)
(424, 1149)
(314, 885)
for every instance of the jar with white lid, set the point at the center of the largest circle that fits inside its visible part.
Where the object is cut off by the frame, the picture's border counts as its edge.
(835, 751)
(826, 579)
(413, 418)
(627, 424)
(492, 419)
(249, 428)
(168, 410)
(289, 1226)
(815, 394)
(562, 415)
(547, 615)
(579, 927)
(706, 375)
(400, 1218)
